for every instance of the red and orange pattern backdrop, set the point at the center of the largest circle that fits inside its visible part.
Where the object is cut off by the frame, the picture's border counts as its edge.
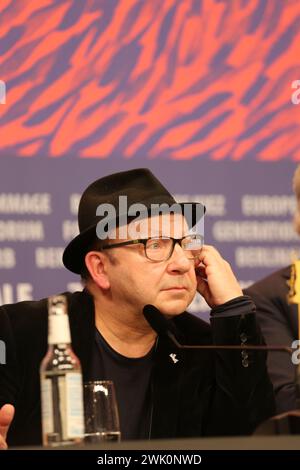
(178, 79)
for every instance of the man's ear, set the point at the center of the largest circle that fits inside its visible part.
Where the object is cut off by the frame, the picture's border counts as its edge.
(96, 262)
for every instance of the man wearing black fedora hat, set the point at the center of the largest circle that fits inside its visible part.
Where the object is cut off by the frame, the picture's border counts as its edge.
(137, 246)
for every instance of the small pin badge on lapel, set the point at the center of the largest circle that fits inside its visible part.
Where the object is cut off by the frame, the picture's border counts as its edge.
(173, 357)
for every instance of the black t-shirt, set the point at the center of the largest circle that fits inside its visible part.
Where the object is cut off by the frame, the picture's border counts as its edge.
(132, 380)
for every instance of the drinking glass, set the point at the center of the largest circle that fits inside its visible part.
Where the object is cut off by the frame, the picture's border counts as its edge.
(101, 412)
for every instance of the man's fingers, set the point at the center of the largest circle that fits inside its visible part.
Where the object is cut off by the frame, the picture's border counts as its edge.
(3, 445)
(6, 416)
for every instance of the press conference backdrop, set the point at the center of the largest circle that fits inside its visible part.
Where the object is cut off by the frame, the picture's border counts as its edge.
(204, 93)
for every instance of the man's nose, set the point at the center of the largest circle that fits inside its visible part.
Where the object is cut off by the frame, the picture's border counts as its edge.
(179, 261)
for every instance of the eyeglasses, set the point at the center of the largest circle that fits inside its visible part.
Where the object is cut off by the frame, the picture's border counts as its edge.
(161, 248)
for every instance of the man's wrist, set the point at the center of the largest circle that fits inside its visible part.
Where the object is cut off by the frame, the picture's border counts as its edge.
(242, 304)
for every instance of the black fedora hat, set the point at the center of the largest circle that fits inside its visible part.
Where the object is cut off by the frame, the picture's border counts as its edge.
(139, 186)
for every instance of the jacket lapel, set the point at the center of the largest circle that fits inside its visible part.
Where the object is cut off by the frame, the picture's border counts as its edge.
(167, 377)
(82, 324)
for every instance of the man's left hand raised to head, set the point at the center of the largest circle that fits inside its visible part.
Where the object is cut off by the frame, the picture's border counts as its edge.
(215, 279)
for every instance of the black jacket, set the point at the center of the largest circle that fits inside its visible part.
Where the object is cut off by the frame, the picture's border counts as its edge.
(279, 324)
(204, 393)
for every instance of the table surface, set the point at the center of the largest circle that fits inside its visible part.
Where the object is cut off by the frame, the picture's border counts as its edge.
(278, 442)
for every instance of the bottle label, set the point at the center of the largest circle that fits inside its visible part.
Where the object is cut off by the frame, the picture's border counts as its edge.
(47, 406)
(62, 406)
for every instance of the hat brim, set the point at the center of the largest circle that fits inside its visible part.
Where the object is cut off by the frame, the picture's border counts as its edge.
(74, 253)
